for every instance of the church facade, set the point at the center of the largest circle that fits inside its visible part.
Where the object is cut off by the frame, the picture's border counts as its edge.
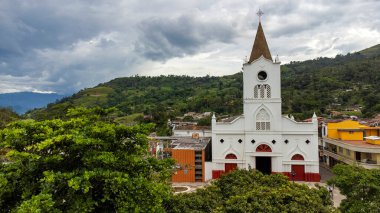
(262, 138)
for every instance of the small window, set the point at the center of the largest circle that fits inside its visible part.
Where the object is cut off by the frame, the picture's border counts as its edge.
(256, 91)
(262, 75)
(262, 91)
(351, 132)
(348, 152)
(341, 149)
(262, 120)
(368, 155)
(268, 90)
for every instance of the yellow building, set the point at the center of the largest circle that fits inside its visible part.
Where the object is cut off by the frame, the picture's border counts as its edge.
(351, 142)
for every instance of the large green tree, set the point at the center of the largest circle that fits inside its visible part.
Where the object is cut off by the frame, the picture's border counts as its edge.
(250, 191)
(83, 164)
(360, 186)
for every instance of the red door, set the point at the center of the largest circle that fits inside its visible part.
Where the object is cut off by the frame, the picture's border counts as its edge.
(300, 172)
(230, 166)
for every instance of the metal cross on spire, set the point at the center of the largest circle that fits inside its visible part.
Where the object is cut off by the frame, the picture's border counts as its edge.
(259, 14)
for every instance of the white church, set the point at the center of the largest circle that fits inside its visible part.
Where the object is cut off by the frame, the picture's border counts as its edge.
(262, 138)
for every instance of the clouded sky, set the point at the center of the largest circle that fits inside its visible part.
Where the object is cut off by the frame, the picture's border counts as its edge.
(64, 46)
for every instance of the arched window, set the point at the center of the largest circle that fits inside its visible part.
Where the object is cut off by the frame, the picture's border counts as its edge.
(231, 156)
(267, 89)
(256, 91)
(262, 120)
(297, 157)
(262, 91)
(263, 148)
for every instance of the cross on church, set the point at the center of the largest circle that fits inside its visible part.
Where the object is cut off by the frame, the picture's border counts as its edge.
(260, 13)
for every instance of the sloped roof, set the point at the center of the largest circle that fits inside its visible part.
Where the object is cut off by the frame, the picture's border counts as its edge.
(260, 46)
(191, 143)
(192, 127)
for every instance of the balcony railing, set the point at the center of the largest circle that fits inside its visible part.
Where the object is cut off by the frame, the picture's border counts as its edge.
(368, 164)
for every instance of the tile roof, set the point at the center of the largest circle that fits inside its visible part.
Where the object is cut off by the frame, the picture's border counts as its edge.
(260, 46)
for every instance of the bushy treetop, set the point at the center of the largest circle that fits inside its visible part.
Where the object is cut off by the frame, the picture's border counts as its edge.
(82, 164)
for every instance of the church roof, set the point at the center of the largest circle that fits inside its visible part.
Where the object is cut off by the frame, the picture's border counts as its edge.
(260, 46)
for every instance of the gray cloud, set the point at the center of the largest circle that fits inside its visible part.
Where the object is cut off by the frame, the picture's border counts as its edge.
(162, 38)
(64, 46)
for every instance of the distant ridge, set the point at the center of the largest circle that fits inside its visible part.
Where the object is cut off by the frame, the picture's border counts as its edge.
(343, 83)
(371, 51)
(21, 102)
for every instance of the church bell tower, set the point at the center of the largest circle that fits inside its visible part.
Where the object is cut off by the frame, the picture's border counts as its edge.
(262, 87)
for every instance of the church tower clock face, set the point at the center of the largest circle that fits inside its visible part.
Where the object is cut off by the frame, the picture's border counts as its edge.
(262, 75)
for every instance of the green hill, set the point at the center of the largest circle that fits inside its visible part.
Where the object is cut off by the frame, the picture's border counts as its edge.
(345, 82)
(7, 116)
(372, 51)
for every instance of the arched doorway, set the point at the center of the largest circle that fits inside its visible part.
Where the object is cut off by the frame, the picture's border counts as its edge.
(264, 163)
(230, 166)
(298, 170)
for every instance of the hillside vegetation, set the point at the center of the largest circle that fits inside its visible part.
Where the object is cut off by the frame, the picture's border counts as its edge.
(345, 82)
(7, 116)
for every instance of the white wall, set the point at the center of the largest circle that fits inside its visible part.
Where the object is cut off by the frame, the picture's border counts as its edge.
(189, 133)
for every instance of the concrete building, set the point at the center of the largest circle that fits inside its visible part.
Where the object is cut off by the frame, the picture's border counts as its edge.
(262, 138)
(191, 131)
(190, 155)
(351, 142)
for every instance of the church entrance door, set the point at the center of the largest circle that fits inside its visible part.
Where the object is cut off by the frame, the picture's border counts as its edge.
(264, 165)
(299, 172)
(230, 166)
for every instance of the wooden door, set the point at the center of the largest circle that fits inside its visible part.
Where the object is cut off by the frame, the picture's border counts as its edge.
(230, 166)
(300, 172)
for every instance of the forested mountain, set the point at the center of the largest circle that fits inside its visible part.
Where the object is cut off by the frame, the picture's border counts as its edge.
(342, 83)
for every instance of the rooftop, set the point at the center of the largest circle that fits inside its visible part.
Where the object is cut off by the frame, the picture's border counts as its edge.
(190, 143)
(229, 119)
(260, 46)
(192, 127)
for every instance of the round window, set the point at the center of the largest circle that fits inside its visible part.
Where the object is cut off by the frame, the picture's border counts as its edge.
(262, 75)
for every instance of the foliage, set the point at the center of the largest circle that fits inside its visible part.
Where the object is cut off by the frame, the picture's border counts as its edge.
(251, 191)
(206, 121)
(7, 116)
(360, 186)
(320, 85)
(82, 164)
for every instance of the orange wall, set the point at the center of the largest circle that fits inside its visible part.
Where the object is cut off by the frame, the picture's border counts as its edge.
(351, 136)
(332, 130)
(376, 142)
(372, 132)
(184, 157)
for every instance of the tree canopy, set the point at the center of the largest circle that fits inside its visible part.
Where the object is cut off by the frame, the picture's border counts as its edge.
(83, 164)
(360, 186)
(251, 191)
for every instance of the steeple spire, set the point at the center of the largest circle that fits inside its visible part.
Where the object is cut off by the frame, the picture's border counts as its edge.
(260, 46)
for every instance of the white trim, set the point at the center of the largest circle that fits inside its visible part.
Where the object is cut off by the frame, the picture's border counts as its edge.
(231, 150)
(231, 122)
(297, 150)
(352, 147)
(217, 160)
(300, 162)
(263, 154)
